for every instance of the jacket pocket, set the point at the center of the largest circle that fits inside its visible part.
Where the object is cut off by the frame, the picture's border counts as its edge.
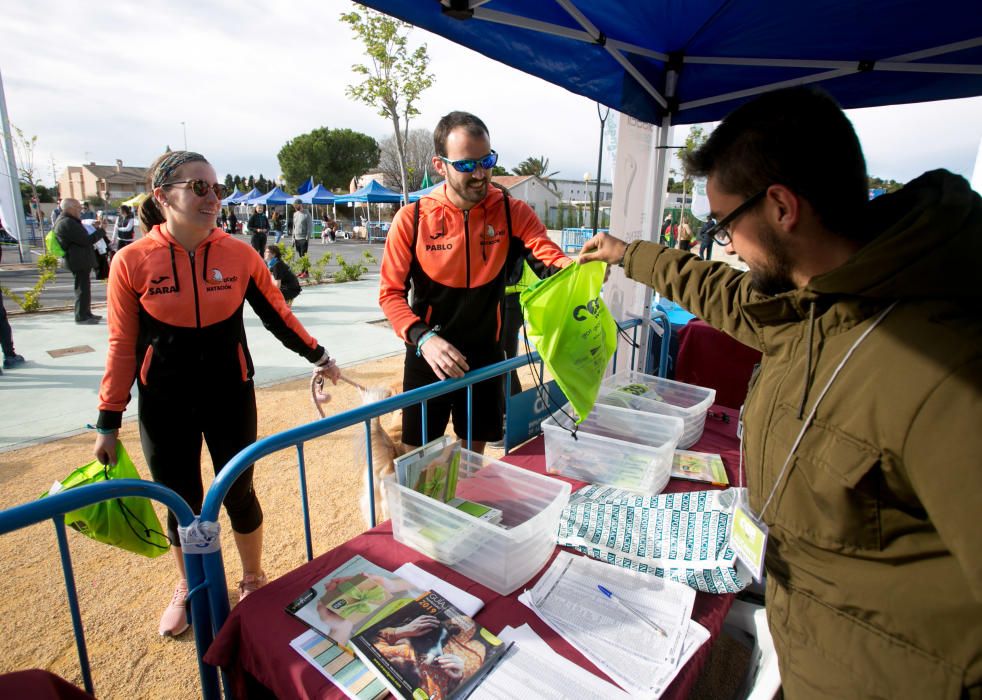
(145, 367)
(829, 494)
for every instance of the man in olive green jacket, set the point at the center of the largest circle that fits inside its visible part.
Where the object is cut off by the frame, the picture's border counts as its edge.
(862, 454)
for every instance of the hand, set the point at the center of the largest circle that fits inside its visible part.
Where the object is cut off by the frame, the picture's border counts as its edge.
(445, 360)
(417, 628)
(605, 248)
(330, 370)
(452, 665)
(105, 447)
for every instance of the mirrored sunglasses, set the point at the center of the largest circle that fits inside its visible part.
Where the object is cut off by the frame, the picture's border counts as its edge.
(469, 165)
(200, 187)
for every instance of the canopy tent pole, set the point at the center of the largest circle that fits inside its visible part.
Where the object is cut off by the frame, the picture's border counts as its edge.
(600, 160)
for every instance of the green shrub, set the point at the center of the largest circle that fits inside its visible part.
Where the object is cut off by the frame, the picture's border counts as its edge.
(31, 301)
(369, 258)
(348, 273)
(319, 269)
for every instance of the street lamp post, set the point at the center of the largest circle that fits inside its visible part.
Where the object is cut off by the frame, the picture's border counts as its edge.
(185, 127)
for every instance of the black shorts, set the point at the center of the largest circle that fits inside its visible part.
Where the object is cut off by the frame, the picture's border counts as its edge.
(488, 403)
(171, 430)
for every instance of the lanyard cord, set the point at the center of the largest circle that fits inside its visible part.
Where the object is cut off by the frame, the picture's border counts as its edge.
(811, 414)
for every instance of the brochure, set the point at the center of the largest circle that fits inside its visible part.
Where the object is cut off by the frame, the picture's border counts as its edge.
(699, 466)
(431, 469)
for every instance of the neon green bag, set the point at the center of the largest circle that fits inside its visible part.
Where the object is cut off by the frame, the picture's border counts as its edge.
(573, 331)
(54, 247)
(129, 522)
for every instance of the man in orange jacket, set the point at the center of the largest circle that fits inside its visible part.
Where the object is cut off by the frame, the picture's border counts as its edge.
(454, 248)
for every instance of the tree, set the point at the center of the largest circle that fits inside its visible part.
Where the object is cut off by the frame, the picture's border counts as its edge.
(251, 182)
(229, 183)
(535, 166)
(394, 80)
(24, 147)
(876, 183)
(237, 182)
(696, 137)
(332, 156)
(419, 154)
(498, 170)
(263, 185)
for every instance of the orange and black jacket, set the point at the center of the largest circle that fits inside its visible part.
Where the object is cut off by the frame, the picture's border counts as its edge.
(456, 262)
(175, 320)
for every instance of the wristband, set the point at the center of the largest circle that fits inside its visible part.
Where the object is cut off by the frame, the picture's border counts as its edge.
(423, 338)
(101, 431)
(324, 361)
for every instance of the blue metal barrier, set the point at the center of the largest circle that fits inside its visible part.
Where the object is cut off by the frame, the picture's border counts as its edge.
(57, 505)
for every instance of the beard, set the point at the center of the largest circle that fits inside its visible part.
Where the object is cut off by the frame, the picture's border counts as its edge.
(467, 193)
(774, 275)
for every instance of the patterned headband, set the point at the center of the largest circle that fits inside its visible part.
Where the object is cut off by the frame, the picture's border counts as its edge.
(172, 162)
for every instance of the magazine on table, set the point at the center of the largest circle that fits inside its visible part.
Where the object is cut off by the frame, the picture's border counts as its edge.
(428, 649)
(351, 598)
(431, 469)
(699, 466)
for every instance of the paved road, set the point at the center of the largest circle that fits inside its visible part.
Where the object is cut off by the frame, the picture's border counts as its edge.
(59, 293)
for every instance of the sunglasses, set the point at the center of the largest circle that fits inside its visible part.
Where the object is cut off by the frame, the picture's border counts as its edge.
(200, 187)
(721, 231)
(468, 165)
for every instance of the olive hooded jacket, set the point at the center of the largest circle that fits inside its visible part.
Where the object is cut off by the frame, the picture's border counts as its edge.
(874, 560)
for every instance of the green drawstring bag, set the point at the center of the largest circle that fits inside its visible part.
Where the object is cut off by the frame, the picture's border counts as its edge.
(573, 330)
(54, 247)
(129, 522)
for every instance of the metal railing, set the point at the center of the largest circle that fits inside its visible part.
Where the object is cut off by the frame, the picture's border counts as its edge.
(55, 506)
(206, 571)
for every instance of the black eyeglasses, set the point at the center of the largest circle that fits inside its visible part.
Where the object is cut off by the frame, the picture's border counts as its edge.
(200, 187)
(468, 165)
(721, 231)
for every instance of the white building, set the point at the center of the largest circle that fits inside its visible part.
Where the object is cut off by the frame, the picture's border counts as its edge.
(581, 190)
(533, 191)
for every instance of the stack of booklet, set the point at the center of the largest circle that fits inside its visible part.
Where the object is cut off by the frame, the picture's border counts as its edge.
(640, 632)
(407, 632)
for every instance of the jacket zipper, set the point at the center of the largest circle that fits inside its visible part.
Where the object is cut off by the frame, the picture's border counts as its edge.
(467, 249)
(194, 287)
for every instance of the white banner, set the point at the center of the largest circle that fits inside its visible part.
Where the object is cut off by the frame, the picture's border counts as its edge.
(9, 181)
(624, 297)
(700, 200)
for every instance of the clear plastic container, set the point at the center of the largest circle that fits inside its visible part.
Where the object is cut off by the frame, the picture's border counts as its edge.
(500, 556)
(627, 449)
(645, 392)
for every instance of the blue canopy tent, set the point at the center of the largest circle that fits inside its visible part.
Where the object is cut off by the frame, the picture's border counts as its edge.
(318, 195)
(248, 196)
(274, 196)
(415, 196)
(665, 62)
(371, 193)
(232, 198)
(306, 186)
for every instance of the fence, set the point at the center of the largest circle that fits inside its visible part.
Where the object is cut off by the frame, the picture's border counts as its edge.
(208, 591)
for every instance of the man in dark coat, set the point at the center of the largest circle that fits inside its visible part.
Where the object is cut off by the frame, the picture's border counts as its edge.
(79, 257)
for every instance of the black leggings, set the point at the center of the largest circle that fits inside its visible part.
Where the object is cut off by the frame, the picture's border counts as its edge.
(171, 431)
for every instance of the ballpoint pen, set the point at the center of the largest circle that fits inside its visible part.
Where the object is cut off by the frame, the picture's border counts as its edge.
(631, 608)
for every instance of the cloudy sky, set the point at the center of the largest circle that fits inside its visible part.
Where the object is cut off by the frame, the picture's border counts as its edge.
(97, 82)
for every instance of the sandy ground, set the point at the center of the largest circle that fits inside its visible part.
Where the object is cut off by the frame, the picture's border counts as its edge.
(121, 594)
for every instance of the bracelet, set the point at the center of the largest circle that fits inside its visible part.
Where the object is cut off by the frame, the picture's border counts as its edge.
(324, 361)
(423, 338)
(101, 431)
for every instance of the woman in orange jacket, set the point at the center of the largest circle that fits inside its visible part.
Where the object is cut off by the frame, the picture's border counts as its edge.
(176, 299)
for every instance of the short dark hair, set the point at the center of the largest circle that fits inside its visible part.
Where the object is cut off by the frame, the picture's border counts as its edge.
(274, 249)
(473, 125)
(797, 137)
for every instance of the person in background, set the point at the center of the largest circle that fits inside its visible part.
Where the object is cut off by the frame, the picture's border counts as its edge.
(10, 357)
(55, 213)
(233, 222)
(125, 228)
(303, 228)
(276, 223)
(176, 299)
(100, 242)
(223, 219)
(706, 239)
(86, 214)
(258, 226)
(79, 257)
(861, 443)
(283, 276)
(685, 236)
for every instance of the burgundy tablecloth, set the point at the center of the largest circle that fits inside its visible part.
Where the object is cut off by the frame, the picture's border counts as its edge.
(710, 358)
(39, 685)
(255, 640)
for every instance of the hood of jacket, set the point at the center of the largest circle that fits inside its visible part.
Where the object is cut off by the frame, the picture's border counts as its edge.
(438, 197)
(923, 248)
